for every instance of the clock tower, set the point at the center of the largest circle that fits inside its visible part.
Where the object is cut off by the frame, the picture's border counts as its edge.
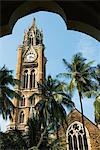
(30, 70)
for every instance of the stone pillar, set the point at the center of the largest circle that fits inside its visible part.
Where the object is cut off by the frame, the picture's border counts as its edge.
(40, 63)
(44, 68)
(19, 61)
(29, 73)
(18, 76)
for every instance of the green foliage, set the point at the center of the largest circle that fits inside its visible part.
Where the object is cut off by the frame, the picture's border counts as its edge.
(97, 110)
(12, 140)
(97, 91)
(50, 110)
(34, 131)
(50, 107)
(7, 81)
(80, 74)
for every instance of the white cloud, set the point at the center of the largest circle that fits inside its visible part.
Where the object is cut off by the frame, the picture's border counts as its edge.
(89, 48)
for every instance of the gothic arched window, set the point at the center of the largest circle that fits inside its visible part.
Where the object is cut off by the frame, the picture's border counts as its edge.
(21, 117)
(32, 101)
(31, 41)
(25, 79)
(32, 79)
(23, 101)
(75, 137)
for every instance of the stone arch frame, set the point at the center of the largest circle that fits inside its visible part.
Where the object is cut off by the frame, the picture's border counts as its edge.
(87, 134)
(73, 22)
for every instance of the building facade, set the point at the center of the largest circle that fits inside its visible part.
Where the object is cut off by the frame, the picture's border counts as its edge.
(30, 70)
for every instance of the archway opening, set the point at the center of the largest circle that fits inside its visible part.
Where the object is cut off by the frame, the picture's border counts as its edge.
(59, 43)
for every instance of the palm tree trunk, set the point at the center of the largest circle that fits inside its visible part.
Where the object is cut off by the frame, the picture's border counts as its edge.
(57, 131)
(40, 141)
(80, 97)
(41, 138)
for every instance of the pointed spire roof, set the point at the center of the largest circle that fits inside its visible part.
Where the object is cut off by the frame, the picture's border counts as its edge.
(34, 32)
(33, 22)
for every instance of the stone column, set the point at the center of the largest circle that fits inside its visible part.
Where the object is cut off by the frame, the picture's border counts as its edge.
(19, 61)
(29, 73)
(40, 63)
(18, 76)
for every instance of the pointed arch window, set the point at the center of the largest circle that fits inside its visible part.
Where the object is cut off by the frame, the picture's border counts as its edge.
(25, 79)
(32, 79)
(23, 101)
(21, 117)
(31, 41)
(32, 101)
(76, 139)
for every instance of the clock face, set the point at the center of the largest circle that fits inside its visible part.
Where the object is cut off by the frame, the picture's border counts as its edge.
(30, 57)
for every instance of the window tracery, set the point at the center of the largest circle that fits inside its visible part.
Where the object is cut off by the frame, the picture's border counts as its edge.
(28, 79)
(75, 137)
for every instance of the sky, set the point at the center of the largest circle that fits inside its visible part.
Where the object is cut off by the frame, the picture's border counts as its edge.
(59, 42)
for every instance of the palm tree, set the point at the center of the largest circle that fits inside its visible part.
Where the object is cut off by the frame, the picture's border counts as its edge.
(80, 74)
(97, 109)
(34, 131)
(97, 100)
(7, 81)
(50, 108)
(96, 93)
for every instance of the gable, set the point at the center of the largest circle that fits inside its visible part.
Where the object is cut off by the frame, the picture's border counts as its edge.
(75, 115)
(93, 130)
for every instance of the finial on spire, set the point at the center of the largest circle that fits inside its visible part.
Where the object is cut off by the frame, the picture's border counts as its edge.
(33, 22)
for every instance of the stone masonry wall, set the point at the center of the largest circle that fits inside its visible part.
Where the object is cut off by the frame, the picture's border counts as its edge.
(94, 131)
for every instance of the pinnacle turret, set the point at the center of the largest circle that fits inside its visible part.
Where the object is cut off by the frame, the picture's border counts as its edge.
(33, 36)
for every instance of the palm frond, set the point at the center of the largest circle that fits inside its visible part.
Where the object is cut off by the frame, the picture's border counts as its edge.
(64, 75)
(7, 81)
(68, 66)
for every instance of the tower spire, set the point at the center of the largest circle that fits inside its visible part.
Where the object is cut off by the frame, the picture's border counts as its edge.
(30, 70)
(33, 22)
